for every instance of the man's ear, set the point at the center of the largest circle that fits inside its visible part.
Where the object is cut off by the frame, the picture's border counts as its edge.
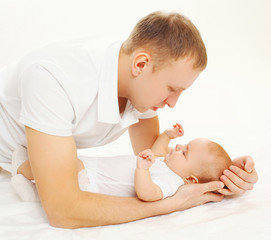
(141, 60)
(191, 179)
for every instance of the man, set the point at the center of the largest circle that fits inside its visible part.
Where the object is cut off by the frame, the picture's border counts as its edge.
(86, 93)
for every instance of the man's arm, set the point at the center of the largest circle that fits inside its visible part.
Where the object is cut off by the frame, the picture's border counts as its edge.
(144, 133)
(53, 162)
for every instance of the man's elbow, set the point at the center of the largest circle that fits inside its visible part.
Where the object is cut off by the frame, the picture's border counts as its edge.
(59, 219)
(61, 213)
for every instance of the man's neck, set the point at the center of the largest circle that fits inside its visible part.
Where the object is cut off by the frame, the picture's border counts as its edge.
(122, 104)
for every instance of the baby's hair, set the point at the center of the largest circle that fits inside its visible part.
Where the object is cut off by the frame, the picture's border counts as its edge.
(214, 167)
(167, 37)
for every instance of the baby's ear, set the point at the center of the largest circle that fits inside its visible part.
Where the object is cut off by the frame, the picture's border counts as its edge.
(191, 179)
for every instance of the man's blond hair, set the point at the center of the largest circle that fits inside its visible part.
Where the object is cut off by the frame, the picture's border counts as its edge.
(168, 37)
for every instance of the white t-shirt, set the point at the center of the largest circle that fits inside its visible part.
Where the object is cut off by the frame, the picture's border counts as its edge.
(115, 176)
(65, 89)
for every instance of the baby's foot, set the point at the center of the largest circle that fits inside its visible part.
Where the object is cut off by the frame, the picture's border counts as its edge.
(25, 188)
(19, 156)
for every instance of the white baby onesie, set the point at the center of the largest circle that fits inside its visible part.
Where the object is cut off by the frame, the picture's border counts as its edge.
(115, 176)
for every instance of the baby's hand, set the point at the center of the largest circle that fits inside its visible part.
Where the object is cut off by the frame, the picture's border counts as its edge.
(176, 131)
(145, 159)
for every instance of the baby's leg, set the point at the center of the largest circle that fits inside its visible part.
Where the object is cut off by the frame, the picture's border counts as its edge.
(26, 171)
(83, 178)
(23, 185)
(26, 189)
(80, 165)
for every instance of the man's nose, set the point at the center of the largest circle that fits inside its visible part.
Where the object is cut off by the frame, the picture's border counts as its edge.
(172, 99)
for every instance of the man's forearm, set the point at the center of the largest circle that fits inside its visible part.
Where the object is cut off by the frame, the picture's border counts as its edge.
(97, 210)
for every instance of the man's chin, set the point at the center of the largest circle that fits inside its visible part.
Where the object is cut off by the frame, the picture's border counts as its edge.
(142, 110)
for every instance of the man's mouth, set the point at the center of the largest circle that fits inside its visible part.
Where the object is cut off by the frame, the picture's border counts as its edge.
(154, 108)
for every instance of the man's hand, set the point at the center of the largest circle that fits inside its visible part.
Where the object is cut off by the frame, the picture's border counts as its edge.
(176, 131)
(145, 159)
(192, 195)
(241, 176)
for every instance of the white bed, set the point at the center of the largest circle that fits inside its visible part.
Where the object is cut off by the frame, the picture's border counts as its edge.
(245, 217)
(230, 103)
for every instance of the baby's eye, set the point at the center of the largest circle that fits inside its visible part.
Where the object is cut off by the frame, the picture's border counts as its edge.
(171, 89)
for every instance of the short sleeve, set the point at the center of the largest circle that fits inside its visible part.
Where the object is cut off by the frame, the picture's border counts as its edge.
(45, 105)
(168, 184)
(165, 178)
(147, 114)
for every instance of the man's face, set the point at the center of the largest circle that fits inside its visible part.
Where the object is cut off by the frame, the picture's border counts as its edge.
(155, 90)
(185, 160)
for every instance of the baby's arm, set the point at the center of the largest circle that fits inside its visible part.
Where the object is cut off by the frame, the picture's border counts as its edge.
(145, 189)
(160, 146)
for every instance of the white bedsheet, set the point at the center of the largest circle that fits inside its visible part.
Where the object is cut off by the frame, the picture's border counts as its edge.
(230, 103)
(245, 217)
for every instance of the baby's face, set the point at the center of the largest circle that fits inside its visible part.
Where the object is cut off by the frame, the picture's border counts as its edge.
(184, 160)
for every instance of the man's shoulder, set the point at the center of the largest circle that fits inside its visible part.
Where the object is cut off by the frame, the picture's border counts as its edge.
(80, 49)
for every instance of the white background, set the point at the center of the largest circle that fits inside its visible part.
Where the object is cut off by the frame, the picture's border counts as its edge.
(230, 101)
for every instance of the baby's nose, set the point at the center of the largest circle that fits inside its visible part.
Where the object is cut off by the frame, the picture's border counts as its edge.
(178, 147)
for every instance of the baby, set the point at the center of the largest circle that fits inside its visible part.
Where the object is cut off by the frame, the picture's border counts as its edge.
(199, 161)
(154, 174)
